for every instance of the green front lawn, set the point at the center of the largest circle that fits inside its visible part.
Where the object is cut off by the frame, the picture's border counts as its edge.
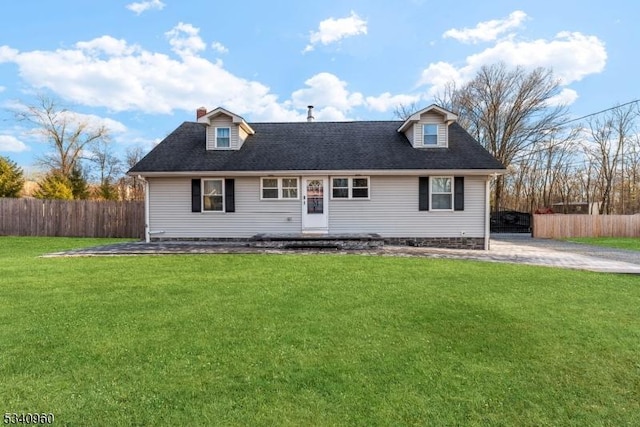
(630, 243)
(313, 340)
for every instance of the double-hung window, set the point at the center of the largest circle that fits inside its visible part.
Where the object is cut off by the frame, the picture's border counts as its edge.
(213, 195)
(223, 137)
(279, 188)
(289, 188)
(442, 193)
(350, 188)
(430, 134)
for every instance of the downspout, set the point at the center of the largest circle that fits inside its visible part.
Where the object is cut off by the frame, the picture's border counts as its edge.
(147, 237)
(487, 213)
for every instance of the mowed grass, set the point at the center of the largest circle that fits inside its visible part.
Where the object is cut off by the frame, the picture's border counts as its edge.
(313, 340)
(631, 243)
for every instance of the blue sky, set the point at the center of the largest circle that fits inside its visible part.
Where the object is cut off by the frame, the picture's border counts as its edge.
(143, 67)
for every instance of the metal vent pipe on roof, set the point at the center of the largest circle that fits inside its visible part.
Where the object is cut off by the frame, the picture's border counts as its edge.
(310, 117)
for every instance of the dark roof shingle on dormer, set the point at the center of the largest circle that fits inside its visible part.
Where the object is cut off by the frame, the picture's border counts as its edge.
(362, 145)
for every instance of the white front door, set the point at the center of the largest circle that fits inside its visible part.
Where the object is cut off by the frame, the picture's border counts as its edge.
(315, 217)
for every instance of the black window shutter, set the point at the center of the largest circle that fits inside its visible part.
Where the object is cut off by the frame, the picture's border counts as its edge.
(196, 200)
(229, 195)
(423, 193)
(458, 196)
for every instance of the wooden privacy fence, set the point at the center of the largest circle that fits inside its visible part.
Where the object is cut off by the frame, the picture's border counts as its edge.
(559, 226)
(71, 218)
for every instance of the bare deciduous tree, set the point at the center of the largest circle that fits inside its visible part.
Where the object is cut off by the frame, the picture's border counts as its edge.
(607, 137)
(508, 110)
(404, 111)
(131, 187)
(67, 133)
(106, 166)
(632, 171)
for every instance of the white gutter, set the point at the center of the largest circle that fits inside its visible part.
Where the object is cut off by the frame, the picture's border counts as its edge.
(364, 172)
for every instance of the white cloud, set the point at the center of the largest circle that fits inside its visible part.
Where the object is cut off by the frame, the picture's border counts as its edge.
(184, 40)
(329, 94)
(333, 30)
(108, 45)
(274, 111)
(572, 56)
(143, 6)
(106, 72)
(386, 101)
(565, 97)
(439, 74)
(488, 30)
(219, 47)
(12, 144)
(2, 89)
(7, 54)
(330, 114)
(114, 126)
(110, 73)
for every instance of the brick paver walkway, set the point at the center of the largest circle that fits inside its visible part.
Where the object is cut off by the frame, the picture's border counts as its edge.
(504, 248)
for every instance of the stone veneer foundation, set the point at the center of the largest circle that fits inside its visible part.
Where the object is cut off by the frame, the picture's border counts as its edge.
(474, 243)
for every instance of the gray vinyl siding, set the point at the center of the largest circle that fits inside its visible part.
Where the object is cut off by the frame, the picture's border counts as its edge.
(171, 216)
(223, 121)
(392, 211)
(430, 118)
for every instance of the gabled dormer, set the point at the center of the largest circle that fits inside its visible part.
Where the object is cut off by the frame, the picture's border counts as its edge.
(429, 127)
(225, 130)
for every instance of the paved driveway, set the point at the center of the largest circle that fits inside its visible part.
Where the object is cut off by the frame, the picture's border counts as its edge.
(565, 254)
(510, 248)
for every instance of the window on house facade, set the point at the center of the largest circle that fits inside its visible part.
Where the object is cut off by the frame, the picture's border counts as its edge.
(350, 188)
(289, 188)
(213, 195)
(340, 188)
(430, 134)
(223, 137)
(441, 193)
(279, 188)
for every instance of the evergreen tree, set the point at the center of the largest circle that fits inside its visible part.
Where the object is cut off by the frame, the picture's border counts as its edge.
(107, 191)
(54, 186)
(78, 183)
(11, 178)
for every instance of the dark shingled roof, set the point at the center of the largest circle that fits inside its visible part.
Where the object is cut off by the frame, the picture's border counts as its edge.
(372, 145)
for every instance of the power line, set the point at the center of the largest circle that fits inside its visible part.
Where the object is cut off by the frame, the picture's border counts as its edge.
(600, 112)
(539, 150)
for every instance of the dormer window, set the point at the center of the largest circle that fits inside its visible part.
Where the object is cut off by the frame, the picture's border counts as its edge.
(225, 130)
(429, 127)
(430, 134)
(223, 137)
